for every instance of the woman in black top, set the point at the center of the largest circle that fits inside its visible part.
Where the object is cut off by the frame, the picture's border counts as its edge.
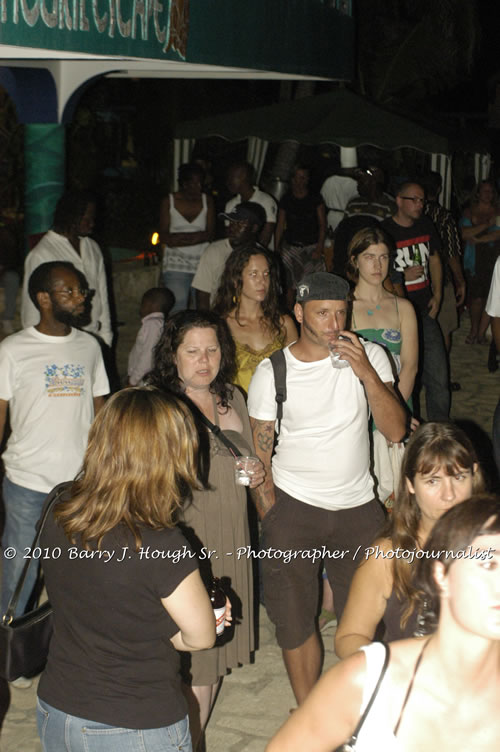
(300, 231)
(124, 585)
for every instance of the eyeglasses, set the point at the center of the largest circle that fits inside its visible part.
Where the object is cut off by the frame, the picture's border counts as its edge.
(415, 199)
(72, 292)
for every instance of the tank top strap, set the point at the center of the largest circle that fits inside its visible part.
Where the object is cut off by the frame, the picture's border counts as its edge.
(171, 200)
(353, 319)
(204, 200)
(410, 686)
(397, 310)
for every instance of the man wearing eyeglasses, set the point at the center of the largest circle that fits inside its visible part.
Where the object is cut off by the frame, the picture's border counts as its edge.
(52, 382)
(69, 241)
(418, 261)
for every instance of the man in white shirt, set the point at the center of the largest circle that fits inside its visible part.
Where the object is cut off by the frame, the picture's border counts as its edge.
(318, 493)
(240, 181)
(52, 382)
(69, 241)
(245, 223)
(337, 191)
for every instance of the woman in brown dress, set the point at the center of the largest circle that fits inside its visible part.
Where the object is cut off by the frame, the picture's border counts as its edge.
(195, 357)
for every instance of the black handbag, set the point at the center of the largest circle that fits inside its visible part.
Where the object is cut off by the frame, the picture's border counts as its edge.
(350, 745)
(24, 641)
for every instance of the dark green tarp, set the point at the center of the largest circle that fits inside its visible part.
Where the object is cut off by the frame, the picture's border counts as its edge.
(338, 117)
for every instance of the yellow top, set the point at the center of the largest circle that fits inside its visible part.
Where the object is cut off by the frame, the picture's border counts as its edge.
(248, 359)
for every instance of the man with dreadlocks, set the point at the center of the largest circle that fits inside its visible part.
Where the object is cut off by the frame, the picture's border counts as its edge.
(69, 241)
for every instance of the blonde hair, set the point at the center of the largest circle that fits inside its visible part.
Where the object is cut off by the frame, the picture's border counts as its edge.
(139, 467)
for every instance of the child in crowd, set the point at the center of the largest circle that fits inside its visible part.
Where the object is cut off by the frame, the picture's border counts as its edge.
(156, 304)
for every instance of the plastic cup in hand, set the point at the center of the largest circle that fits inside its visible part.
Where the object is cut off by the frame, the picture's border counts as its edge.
(244, 469)
(335, 358)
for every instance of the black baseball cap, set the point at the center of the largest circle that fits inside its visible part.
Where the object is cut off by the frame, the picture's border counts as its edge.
(322, 286)
(247, 210)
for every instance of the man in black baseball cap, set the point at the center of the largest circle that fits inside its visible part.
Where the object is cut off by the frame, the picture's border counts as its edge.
(245, 222)
(317, 499)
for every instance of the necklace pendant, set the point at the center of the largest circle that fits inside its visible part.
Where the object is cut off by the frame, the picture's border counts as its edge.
(370, 312)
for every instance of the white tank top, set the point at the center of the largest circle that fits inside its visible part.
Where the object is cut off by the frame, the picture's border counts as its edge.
(185, 259)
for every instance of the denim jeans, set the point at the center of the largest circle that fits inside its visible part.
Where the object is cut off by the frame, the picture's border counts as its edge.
(60, 732)
(434, 369)
(180, 284)
(22, 511)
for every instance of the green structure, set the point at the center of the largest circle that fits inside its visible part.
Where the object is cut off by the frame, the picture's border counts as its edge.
(50, 50)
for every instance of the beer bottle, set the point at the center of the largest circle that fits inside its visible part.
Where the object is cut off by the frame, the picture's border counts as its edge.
(218, 599)
(417, 258)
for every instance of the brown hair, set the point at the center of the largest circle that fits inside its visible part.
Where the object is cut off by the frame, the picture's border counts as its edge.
(164, 374)
(139, 466)
(229, 292)
(434, 444)
(362, 240)
(452, 534)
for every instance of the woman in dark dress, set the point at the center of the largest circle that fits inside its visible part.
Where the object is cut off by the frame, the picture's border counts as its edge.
(300, 231)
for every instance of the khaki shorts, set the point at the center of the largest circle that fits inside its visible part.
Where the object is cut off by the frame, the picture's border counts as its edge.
(298, 540)
(448, 315)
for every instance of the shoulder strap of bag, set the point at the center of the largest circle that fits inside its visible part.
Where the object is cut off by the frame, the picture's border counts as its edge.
(218, 433)
(48, 504)
(354, 737)
(278, 363)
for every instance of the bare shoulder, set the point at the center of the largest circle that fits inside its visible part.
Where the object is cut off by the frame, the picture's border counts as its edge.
(379, 560)
(405, 307)
(404, 655)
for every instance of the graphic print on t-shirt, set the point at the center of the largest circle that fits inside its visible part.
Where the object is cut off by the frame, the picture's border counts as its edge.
(413, 252)
(65, 381)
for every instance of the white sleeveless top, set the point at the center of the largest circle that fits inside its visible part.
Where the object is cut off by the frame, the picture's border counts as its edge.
(185, 259)
(376, 734)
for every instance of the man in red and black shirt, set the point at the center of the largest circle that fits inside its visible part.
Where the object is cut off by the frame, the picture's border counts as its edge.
(418, 261)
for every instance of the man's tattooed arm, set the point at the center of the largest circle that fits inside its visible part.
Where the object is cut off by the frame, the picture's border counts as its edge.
(263, 438)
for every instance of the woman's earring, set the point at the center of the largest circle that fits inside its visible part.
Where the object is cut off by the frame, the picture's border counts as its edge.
(235, 299)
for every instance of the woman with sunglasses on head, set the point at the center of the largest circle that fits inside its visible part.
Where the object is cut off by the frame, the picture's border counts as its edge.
(124, 585)
(439, 470)
(435, 693)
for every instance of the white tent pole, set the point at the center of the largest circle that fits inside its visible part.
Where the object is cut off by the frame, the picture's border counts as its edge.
(441, 163)
(176, 162)
(261, 159)
(251, 149)
(256, 154)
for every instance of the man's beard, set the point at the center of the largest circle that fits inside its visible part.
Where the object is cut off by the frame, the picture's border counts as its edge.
(77, 320)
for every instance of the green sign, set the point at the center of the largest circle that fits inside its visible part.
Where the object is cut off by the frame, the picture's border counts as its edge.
(308, 37)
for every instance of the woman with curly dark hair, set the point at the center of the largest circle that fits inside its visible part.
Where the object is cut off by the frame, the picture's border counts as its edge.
(195, 358)
(440, 469)
(247, 299)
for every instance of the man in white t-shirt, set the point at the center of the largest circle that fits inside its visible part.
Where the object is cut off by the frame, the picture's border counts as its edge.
(337, 191)
(240, 181)
(52, 382)
(317, 500)
(245, 224)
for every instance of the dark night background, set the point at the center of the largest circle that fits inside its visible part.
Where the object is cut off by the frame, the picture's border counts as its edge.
(431, 60)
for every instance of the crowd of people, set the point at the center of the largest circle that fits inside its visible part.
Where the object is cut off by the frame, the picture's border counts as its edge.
(266, 350)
